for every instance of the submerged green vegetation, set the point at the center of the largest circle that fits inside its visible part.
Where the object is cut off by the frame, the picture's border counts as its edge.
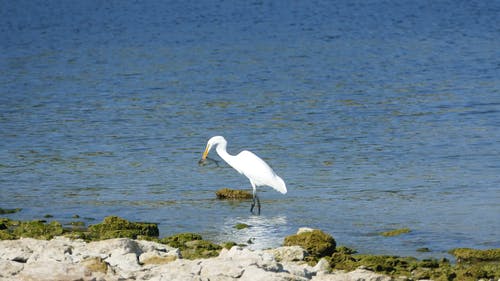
(241, 226)
(227, 193)
(395, 232)
(9, 211)
(471, 264)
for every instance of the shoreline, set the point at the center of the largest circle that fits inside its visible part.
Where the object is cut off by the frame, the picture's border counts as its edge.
(117, 249)
(62, 258)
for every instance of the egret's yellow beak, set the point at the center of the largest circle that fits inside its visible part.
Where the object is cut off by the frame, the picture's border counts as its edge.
(205, 153)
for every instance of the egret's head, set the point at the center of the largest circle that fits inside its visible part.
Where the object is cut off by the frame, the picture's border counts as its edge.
(213, 141)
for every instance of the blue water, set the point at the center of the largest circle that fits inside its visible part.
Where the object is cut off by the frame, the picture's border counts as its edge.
(377, 114)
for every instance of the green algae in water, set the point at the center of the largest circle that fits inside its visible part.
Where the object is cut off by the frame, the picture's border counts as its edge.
(395, 232)
(9, 211)
(227, 193)
(241, 226)
(424, 250)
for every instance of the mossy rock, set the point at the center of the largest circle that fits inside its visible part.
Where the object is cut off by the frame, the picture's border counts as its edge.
(395, 232)
(179, 240)
(38, 229)
(116, 227)
(388, 264)
(192, 245)
(474, 255)
(229, 245)
(200, 249)
(9, 211)
(241, 226)
(227, 193)
(317, 243)
(6, 235)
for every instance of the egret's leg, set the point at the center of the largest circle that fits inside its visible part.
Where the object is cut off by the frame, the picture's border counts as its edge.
(258, 204)
(255, 198)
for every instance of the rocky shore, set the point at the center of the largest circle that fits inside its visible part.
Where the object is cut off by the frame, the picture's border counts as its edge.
(117, 249)
(127, 259)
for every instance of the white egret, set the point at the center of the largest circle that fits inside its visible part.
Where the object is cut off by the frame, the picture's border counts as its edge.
(248, 164)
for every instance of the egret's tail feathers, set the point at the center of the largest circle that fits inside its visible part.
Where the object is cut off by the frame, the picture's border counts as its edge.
(280, 185)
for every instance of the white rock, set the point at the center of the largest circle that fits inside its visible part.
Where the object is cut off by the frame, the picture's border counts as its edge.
(9, 268)
(322, 266)
(254, 273)
(126, 259)
(118, 246)
(155, 257)
(57, 249)
(356, 275)
(220, 268)
(304, 230)
(300, 270)
(288, 253)
(51, 270)
(125, 263)
(178, 270)
(149, 246)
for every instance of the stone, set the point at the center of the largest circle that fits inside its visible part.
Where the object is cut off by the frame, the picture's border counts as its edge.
(18, 250)
(126, 259)
(356, 275)
(51, 270)
(304, 230)
(9, 268)
(216, 268)
(322, 266)
(156, 257)
(113, 227)
(317, 243)
(288, 253)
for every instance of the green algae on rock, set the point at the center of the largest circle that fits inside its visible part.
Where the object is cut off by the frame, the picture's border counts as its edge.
(229, 245)
(179, 240)
(316, 242)
(474, 255)
(241, 226)
(38, 229)
(480, 264)
(192, 245)
(424, 250)
(395, 232)
(9, 211)
(116, 227)
(227, 193)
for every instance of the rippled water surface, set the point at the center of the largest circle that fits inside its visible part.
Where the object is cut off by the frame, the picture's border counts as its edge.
(378, 115)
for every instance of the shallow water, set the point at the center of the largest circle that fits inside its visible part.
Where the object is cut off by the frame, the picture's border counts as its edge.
(377, 114)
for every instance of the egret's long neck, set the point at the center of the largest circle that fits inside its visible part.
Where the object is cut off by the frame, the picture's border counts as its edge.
(222, 151)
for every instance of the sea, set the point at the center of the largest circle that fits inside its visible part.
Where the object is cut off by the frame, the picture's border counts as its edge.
(378, 114)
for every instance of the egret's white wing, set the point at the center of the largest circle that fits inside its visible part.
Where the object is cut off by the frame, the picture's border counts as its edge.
(258, 171)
